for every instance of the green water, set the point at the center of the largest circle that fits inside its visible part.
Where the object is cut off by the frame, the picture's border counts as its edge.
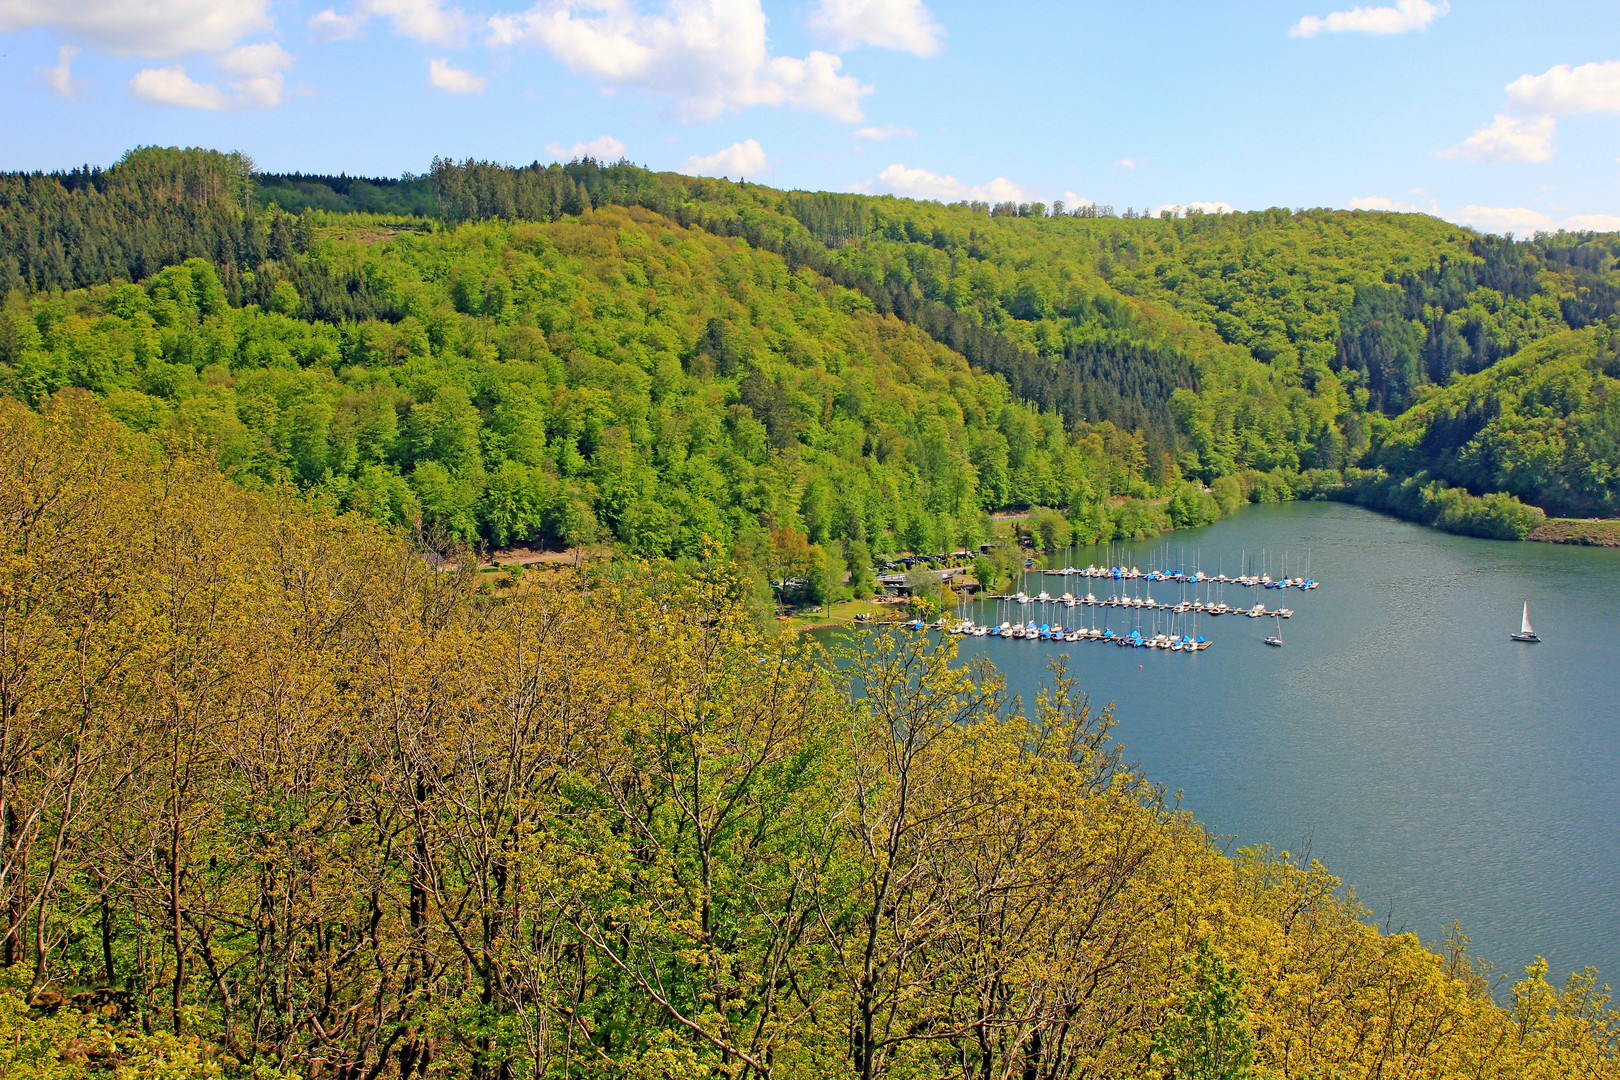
(1438, 768)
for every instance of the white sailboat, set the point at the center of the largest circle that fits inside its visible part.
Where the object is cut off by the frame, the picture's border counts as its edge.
(1276, 638)
(1525, 633)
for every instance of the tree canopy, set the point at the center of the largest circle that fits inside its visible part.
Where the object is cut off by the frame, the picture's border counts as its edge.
(280, 798)
(556, 354)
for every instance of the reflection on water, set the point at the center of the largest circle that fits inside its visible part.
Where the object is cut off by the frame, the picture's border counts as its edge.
(1441, 770)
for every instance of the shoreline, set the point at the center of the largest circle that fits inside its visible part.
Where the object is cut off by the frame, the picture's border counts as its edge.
(1588, 532)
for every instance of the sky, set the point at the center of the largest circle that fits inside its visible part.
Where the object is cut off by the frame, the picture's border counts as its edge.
(1500, 115)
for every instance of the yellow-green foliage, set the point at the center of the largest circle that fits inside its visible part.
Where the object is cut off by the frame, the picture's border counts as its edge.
(316, 806)
(42, 1038)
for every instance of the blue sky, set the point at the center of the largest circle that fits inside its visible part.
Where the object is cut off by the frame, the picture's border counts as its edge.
(1496, 114)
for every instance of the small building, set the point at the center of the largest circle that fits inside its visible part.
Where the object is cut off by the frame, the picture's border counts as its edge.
(899, 585)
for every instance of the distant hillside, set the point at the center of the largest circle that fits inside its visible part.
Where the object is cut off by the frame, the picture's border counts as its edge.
(1543, 424)
(1090, 357)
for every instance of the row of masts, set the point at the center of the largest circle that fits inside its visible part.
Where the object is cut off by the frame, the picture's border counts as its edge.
(1175, 635)
(1131, 573)
(1143, 603)
(1262, 569)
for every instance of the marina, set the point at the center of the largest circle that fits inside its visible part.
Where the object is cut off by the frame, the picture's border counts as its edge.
(1170, 625)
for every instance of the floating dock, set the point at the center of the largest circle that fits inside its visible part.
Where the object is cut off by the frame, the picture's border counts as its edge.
(1032, 632)
(1146, 603)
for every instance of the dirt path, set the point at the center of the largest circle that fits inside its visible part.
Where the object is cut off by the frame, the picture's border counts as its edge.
(531, 557)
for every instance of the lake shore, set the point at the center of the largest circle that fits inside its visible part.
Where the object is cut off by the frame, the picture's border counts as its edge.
(1592, 532)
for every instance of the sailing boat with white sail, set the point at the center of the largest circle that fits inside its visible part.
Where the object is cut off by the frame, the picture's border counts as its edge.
(1276, 638)
(1525, 633)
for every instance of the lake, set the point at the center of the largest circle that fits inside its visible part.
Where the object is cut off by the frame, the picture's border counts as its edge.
(1439, 769)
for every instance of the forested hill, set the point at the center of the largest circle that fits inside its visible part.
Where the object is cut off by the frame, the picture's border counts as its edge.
(608, 376)
(1543, 425)
(1254, 345)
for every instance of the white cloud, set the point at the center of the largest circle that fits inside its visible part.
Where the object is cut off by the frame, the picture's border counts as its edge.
(162, 29)
(922, 184)
(330, 26)
(424, 20)
(258, 70)
(1074, 201)
(739, 159)
(1558, 91)
(452, 80)
(885, 133)
(1593, 223)
(1183, 209)
(891, 24)
(172, 86)
(711, 56)
(604, 148)
(60, 77)
(1405, 15)
(155, 28)
(1498, 219)
(1380, 202)
(257, 81)
(255, 61)
(1130, 163)
(1508, 138)
(1563, 90)
(998, 190)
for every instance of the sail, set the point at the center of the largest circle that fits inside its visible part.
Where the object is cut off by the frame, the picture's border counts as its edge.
(1524, 625)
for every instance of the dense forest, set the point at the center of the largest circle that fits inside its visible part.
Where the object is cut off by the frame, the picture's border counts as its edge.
(1543, 424)
(279, 798)
(620, 378)
(584, 352)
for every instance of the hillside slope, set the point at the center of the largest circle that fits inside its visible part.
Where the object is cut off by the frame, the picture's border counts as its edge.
(1288, 328)
(288, 802)
(544, 382)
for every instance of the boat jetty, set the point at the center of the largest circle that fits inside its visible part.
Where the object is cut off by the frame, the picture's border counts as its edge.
(1147, 603)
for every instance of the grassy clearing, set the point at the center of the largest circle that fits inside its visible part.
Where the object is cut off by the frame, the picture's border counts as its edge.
(840, 614)
(1598, 532)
